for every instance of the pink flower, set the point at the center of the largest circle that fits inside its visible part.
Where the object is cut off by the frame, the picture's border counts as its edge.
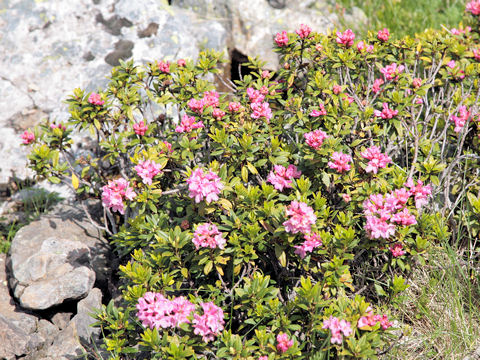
(255, 96)
(461, 119)
(337, 328)
(476, 54)
(377, 228)
(451, 64)
(140, 128)
(348, 98)
(147, 170)
(95, 99)
(417, 82)
(346, 197)
(164, 67)
(265, 74)
(371, 320)
(376, 85)
(281, 39)
(283, 342)
(181, 62)
(456, 72)
(361, 46)
(392, 71)
(218, 114)
(204, 186)
(234, 106)
(377, 159)
(340, 162)
(207, 235)
(304, 31)
(168, 146)
(317, 113)
(337, 89)
(188, 123)
(28, 137)
(156, 311)
(397, 250)
(196, 105)
(383, 35)
(420, 192)
(346, 38)
(311, 242)
(404, 218)
(211, 323)
(211, 98)
(263, 357)
(58, 126)
(261, 110)
(386, 112)
(301, 218)
(281, 177)
(315, 138)
(473, 7)
(115, 192)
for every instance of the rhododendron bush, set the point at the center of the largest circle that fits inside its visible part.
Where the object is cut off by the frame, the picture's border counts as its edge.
(279, 220)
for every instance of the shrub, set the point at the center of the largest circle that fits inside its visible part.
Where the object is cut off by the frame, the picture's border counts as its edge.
(249, 224)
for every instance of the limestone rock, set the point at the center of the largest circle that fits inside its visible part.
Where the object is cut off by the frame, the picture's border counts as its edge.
(14, 342)
(53, 259)
(83, 320)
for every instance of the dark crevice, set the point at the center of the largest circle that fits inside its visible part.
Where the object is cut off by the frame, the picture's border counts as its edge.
(237, 69)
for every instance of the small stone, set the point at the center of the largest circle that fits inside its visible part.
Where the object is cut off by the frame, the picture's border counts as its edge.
(83, 320)
(61, 319)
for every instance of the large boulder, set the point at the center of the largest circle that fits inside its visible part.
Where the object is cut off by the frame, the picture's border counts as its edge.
(51, 47)
(55, 258)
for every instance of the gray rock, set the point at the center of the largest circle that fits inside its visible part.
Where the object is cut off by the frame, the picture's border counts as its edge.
(83, 320)
(14, 342)
(66, 345)
(47, 332)
(52, 259)
(61, 319)
(24, 321)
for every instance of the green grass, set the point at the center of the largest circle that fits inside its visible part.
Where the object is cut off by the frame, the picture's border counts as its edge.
(441, 309)
(406, 17)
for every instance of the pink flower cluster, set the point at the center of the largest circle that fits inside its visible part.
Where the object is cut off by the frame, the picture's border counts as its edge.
(234, 107)
(281, 177)
(473, 7)
(147, 170)
(456, 72)
(204, 186)
(377, 159)
(383, 35)
(460, 31)
(337, 328)
(115, 192)
(281, 39)
(164, 66)
(386, 112)
(301, 218)
(376, 85)
(371, 320)
(346, 38)
(397, 250)
(461, 119)
(311, 242)
(315, 138)
(210, 98)
(28, 137)
(361, 46)
(383, 213)
(476, 54)
(58, 126)
(207, 235)
(211, 323)
(259, 107)
(156, 311)
(283, 342)
(95, 99)
(317, 113)
(140, 128)
(304, 31)
(340, 162)
(188, 123)
(392, 71)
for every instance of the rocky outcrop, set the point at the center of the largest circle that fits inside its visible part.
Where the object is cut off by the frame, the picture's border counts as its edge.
(56, 258)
